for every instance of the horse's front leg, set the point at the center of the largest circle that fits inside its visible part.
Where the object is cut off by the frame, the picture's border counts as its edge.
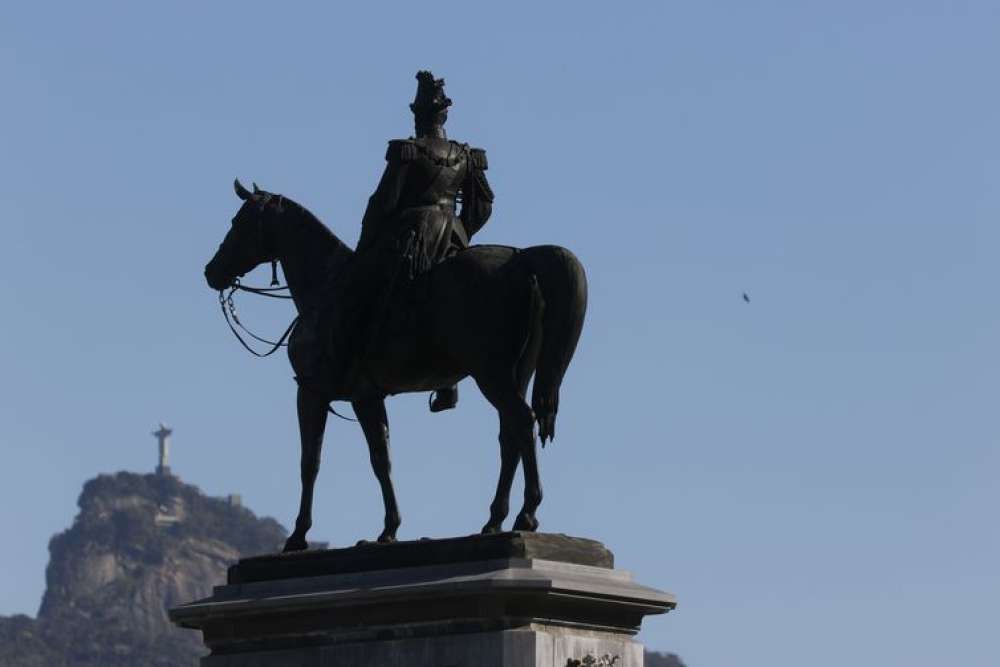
(312, 423)
(375, 424)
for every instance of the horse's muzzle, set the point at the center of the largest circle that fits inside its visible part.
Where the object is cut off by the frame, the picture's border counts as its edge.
(216, 278)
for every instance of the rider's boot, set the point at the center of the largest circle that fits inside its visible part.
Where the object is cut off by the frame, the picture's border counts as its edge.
(444, 399)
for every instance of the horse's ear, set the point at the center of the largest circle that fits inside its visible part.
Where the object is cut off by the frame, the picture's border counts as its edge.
(241, 191)
(256, 190)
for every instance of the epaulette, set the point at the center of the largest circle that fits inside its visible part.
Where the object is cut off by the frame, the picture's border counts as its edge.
(478, 156)
(401, 150)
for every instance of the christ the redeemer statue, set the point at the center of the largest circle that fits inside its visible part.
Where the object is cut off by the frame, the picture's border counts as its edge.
(163, 437)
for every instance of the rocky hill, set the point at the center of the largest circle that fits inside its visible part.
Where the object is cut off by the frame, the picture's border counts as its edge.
(139, 545)
(654, 659)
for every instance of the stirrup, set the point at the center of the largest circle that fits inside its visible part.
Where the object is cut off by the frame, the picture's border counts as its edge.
(436, 404)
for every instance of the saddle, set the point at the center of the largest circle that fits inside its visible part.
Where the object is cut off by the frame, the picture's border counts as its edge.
(373, 298)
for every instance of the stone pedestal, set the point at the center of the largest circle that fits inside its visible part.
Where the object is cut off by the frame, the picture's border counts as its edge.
(507, 600)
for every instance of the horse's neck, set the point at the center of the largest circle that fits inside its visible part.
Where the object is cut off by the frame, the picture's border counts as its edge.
(309, 254)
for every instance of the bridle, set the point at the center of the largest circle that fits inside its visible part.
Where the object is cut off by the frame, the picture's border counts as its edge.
(228, 306)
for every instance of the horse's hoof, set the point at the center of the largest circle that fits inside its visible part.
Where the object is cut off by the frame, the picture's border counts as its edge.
(386, 538)
(491, 529)
(526, 523)
(295, 543)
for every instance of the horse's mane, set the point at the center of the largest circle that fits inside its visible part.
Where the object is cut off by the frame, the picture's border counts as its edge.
(305, 216)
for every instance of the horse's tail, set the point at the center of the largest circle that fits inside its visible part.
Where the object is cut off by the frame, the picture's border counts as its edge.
(563, 286)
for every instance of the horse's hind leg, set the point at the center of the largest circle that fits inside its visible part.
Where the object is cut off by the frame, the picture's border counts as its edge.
(516, 436)
(509, 458)
(375, 424)
(532, 487)
(312, 423)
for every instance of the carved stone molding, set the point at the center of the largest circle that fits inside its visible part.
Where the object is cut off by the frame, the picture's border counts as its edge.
(605, 660)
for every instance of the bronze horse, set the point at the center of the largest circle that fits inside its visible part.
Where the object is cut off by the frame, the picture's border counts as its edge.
(495, 313)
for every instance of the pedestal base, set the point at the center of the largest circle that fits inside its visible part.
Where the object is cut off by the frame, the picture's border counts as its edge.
(431, 603)
(525, 647)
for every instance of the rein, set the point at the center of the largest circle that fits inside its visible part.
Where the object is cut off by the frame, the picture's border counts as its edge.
(228, 307)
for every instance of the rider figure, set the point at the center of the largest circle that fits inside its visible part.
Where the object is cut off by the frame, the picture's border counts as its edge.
(414, 206)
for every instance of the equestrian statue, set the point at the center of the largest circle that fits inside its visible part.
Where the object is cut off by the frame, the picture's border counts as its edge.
(416, 308)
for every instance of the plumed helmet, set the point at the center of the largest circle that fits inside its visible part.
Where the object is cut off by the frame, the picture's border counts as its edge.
(430, 104)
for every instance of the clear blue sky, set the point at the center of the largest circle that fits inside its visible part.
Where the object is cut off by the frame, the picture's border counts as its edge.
(814, 474)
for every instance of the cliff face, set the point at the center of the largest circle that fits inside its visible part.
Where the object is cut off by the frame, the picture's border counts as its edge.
(663, 660)
(139, 545)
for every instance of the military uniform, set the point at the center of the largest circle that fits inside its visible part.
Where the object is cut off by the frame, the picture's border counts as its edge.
(414, 206)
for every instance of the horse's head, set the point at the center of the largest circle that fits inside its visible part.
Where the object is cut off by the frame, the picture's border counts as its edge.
(251, 239)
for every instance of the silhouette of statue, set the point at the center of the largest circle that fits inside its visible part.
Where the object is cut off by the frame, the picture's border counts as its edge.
(415, 308)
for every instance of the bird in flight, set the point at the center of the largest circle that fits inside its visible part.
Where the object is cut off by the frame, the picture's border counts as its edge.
(745, 297)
